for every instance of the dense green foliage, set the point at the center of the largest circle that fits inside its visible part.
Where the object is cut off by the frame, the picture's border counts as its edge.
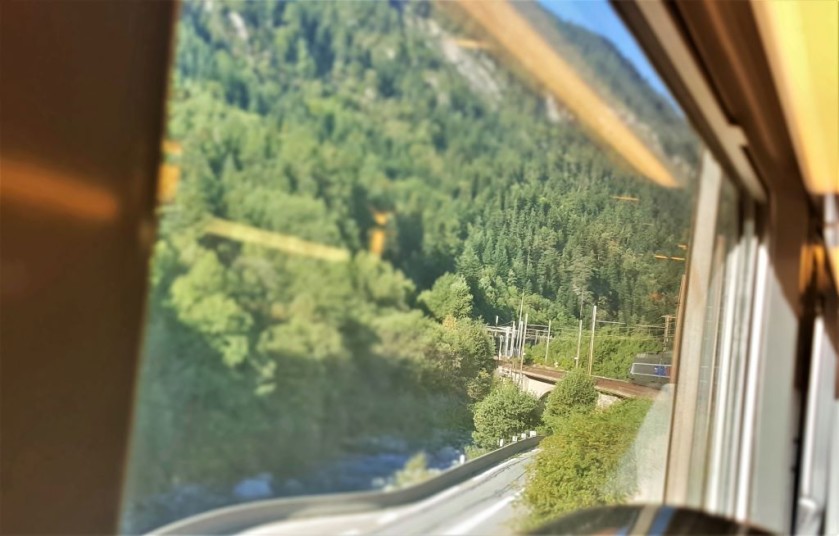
(506, 411)
(574, 393)
(450, 296)
(331, 110)
(587, 462)
(308, 120)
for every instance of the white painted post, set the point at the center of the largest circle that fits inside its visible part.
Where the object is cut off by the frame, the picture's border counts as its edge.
(511, 339)
(579, 344)
(579, 336)
(524, 333)
(521, 308)
(548, 342)
(511, 344)
(521, 355)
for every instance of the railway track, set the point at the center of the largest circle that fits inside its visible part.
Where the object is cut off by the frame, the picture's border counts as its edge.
(610, 386)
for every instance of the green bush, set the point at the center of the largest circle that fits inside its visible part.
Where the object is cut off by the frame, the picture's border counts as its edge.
(504, 412)
(614, 351)
(449, 296)
(473, 451)
(415, 471)
(575, 393)
(561, 352)
(587, 462)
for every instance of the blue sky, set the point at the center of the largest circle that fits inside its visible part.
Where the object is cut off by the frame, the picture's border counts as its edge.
(599, 17)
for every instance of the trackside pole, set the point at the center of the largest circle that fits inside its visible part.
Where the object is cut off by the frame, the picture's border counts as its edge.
(591, 346)
(521, 354)
(548, 342)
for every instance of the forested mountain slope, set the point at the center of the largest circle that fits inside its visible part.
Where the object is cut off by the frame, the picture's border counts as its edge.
(312, 119)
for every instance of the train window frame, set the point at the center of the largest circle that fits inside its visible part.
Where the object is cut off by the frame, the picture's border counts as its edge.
(817, 431)
(741, 428)
(711, 163)
(696, 453)
(770, 433)
(689, 343)
(831, 347)
(766, 425)
(699, 451)
(726, 440)
(750, 496)
(758, 430)
(730, 289)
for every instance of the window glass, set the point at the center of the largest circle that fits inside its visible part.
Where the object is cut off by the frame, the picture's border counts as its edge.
(715, 359)
(726, 405)
(380, 224)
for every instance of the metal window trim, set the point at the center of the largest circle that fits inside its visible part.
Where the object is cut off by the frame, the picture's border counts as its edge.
(831, 522)
(712, 339)
(724, 392)
(817, 434)
(726, 139)
(752, 366)
(766, 479)
(722, 494)
(765, 451)
(683, 416)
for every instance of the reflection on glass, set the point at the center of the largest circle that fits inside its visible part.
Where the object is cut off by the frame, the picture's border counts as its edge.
(715, 351)
(723, 359)
(377, 206)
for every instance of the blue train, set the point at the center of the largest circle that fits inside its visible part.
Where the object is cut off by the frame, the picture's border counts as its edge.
(651, 369)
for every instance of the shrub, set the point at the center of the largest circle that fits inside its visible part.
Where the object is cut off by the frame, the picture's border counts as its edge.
(415, 471)
(450, 296)
(504, 412)
(614, 351)
(575, 393)
(587, 462)
(472, 451)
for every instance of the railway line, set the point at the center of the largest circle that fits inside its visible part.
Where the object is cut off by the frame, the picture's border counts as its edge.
(611, 386)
